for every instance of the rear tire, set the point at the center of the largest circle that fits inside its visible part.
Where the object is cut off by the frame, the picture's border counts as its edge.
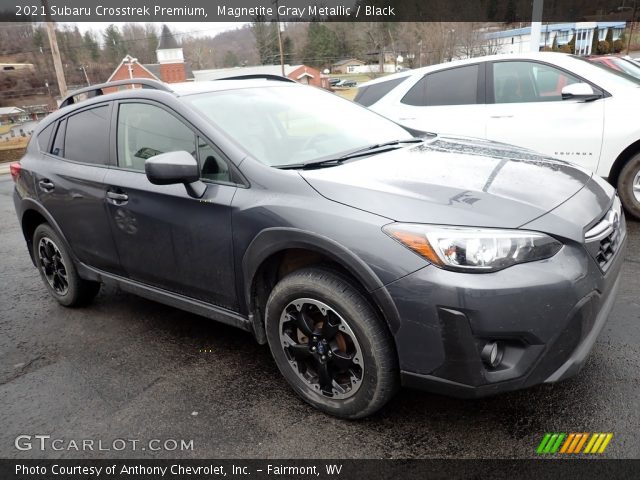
(629, 186)
(58, 270)
(330, 344)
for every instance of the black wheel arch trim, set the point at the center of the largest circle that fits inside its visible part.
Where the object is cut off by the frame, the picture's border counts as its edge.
(270, 241)
(27, 204)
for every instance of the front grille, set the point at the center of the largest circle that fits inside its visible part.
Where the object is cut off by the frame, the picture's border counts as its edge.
(604, 239)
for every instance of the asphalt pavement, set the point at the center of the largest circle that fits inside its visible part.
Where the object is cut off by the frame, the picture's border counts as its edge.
(129, 368)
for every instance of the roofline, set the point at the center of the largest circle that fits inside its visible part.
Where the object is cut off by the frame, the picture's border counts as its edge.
(136, 61)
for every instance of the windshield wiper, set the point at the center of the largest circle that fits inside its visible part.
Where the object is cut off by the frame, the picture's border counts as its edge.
(359, 152)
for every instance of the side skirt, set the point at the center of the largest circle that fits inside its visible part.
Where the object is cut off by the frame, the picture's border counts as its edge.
(213, 312)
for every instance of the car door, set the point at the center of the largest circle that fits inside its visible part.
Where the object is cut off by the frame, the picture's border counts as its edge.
(70, 184)
(165, 237)
(525, 108)
(449, 101)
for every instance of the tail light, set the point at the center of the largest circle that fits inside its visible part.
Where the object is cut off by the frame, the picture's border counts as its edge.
(15, 169)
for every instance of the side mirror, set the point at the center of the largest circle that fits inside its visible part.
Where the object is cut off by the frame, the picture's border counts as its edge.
(172, 167)
(579, 91)
(175, 167)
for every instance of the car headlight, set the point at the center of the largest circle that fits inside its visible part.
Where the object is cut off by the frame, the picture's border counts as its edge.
(473, 249)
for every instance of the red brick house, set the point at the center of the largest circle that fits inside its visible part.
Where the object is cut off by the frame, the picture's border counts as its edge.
(299, 73)
(171, 67)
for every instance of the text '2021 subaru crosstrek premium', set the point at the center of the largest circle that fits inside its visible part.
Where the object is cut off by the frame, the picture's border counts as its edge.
(365, 257)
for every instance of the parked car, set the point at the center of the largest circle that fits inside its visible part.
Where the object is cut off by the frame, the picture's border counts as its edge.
(347, 83)
(624, 65)
(364, 257)
(334, 81)
(559, 104)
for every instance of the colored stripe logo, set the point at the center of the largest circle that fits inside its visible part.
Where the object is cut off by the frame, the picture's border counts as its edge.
(572, 443)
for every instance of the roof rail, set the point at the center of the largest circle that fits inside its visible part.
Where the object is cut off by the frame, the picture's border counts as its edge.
(97, 90)
(263, 76)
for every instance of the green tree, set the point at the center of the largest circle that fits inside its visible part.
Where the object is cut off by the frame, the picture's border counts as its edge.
(320, 49)
(288, 50)
(609, 37)
(266, 35)
(595, 40)
(91, 46)
(572, 45)
(113, 45)
(230, 59)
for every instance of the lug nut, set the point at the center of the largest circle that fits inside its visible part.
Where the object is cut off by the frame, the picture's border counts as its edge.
(313, 349)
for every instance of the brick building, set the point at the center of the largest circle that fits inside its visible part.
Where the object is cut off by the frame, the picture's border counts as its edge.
(299, 73)
(171, 67)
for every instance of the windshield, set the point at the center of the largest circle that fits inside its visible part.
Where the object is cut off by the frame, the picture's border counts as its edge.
(627, 67)
(281, 125)
(621, 78)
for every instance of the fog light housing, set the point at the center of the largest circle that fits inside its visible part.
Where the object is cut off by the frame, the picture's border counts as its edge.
(492, 354)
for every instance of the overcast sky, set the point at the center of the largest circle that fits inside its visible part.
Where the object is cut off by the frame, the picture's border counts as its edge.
(191, 28)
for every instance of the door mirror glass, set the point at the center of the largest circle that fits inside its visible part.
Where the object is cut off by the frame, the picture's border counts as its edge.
(579, 91)
(171, 168)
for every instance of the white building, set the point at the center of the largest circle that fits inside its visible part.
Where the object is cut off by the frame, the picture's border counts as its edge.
(518, 40)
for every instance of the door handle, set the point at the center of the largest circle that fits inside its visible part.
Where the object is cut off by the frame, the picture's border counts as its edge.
(46, 185)
(501, 116)
(117, 198)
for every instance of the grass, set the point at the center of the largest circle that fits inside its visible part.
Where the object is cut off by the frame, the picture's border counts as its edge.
(14, 143)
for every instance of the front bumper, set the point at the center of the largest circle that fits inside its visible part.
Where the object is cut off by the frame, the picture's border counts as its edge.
(547, 316)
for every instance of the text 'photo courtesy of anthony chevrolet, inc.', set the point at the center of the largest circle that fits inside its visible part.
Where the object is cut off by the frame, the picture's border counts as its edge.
(335, 239)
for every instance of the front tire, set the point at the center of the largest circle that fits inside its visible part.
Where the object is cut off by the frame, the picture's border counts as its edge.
(330, 344)
(58, 270)
(629, 186)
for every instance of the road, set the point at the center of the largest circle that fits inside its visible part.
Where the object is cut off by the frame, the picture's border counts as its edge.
(128, 368)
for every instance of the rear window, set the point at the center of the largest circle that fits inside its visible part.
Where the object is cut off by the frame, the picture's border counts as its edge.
(370, 94)
(87, 136)
(455, 86)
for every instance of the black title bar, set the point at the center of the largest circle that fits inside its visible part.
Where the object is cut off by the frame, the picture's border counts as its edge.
(511, 11)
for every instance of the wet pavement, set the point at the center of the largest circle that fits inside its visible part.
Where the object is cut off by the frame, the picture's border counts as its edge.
(128, 368)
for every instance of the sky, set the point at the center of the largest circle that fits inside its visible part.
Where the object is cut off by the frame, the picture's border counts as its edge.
(192, 28)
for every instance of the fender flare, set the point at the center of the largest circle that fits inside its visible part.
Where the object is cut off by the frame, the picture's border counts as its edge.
(273, 240)
(31, 204)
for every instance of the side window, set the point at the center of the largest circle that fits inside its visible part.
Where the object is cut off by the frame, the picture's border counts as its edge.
(367, 96)
(58, 144)
(44, 137)
(213, 167)
(87, 136)
(455, 86)
(522, 82)
(145, 131)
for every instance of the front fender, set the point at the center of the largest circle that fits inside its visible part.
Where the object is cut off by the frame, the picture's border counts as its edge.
(273, 240)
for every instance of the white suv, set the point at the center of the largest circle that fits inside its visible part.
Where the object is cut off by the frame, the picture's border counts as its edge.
(557, 104)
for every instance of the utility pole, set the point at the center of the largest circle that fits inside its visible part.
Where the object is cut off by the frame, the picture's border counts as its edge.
(633, 18)
(53, 42)
(536, 25)
(84, 70)
(275, 2)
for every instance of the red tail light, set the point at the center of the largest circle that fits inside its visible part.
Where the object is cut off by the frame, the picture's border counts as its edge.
(15, 169)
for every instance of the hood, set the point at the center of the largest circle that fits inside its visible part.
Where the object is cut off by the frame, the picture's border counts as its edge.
(453, 181)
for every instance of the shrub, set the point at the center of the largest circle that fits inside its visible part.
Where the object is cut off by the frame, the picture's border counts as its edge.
(604, 47)
(618, 46)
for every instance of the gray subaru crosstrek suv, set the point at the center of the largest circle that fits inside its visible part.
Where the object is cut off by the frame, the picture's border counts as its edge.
(366, 258)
